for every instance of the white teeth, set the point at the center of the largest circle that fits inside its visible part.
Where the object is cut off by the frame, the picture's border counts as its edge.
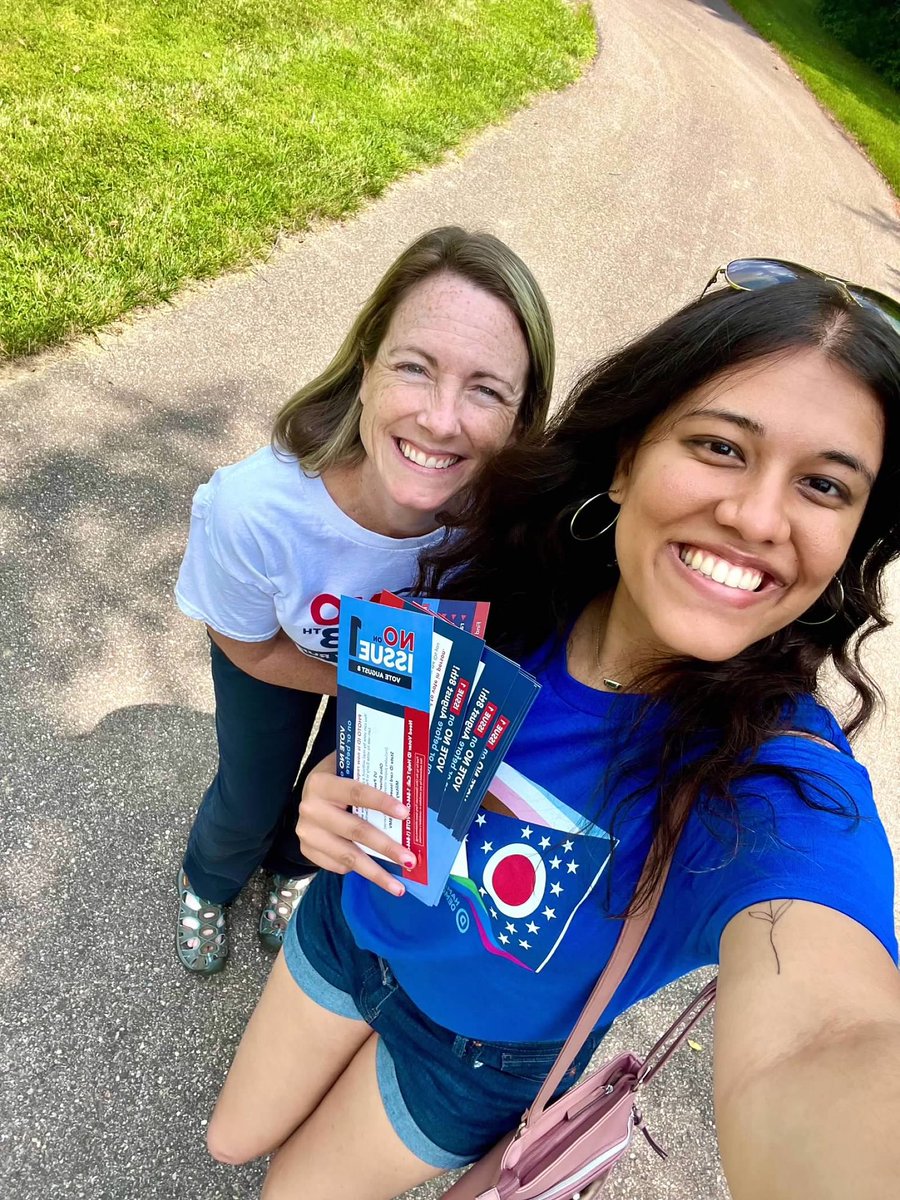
(721, 570)
(426, 460)
(733, 578)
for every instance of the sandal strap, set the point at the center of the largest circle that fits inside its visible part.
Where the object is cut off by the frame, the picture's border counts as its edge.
(202, 930)
(287, 893)
(284, 895)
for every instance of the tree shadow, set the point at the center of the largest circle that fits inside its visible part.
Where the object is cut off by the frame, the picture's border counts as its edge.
(831, 60)
(93, 532)
(114, 1054)
(718, 8)
(880, 218)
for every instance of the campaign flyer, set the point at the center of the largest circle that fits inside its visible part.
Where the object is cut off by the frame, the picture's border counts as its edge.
(426, 712)
(456, 664)
(384, 703)
(491, 687)
(469, 615)
(494, 733)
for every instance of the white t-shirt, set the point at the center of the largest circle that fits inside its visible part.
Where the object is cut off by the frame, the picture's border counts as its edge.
(269, 549)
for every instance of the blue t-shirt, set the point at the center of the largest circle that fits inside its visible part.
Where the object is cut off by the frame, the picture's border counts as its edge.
(522, 932)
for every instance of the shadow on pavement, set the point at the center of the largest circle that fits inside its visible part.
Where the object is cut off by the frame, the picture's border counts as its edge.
(718, 8)
(114, 1054)
(880, 218)
(93, 527)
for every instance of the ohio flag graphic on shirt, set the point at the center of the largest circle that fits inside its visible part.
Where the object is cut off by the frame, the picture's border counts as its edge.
(525, 870)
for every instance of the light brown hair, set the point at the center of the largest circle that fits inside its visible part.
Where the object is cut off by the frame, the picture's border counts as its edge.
(320, 423)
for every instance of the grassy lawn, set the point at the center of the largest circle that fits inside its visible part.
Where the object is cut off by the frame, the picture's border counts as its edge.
(145, 142)
(860, 100)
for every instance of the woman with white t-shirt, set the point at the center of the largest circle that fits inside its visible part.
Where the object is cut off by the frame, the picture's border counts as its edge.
(450, 357)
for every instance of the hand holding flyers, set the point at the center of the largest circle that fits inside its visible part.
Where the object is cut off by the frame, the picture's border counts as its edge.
(425, 713)
(334, 837)
(384, 685)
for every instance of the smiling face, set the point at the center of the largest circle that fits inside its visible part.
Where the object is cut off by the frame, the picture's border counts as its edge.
(440, 397)
(739, 506)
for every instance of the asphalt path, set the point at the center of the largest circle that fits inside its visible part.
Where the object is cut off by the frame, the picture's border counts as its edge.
(688, 142)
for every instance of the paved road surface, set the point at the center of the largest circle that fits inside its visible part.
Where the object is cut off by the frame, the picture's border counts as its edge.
(688, 142)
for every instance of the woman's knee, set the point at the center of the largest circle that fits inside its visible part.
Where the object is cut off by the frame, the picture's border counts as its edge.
(229, 1143)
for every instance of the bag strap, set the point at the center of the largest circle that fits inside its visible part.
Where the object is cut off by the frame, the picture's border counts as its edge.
(672, 1039)
(626, 947)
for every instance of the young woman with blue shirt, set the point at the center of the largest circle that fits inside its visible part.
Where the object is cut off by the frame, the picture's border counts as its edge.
(706, 525)
(449, 358)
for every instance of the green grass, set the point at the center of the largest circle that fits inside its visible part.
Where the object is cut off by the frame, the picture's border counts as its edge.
(867, 106)
(146, 142)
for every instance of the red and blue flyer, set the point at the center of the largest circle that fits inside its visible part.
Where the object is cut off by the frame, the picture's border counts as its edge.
(491, 735)
(469, 615)
(456, 663)
(425, 713)
(492, 685)
(384, 702)
(493, 722)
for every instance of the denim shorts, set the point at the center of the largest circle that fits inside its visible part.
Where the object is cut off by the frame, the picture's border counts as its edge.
(449, 1098)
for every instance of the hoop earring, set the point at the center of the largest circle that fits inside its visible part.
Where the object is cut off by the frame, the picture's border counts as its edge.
(834, 613)
(580, 509)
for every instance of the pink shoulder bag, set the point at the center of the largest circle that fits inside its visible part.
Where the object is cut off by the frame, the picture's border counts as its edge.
(561, 1149)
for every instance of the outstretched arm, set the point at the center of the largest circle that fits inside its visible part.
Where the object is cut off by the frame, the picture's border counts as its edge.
(807, 1057)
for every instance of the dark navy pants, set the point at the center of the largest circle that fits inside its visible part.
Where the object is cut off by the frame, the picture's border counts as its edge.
(248, 815)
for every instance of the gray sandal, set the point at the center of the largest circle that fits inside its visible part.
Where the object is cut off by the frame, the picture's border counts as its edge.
(283, 898)
(201, 935)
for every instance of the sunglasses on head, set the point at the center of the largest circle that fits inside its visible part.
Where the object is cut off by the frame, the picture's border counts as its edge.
(754, 274)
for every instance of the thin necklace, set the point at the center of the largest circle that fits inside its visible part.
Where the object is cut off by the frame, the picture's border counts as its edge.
(613, 685)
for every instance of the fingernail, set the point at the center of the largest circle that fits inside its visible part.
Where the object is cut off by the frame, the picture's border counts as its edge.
(398, 889)
(408, 860)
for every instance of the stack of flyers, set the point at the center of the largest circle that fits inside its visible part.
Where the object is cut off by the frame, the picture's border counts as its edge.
(426, 712)
(468, 615)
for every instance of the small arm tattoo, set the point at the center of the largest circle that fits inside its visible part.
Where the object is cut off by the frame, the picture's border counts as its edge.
(772, 913)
